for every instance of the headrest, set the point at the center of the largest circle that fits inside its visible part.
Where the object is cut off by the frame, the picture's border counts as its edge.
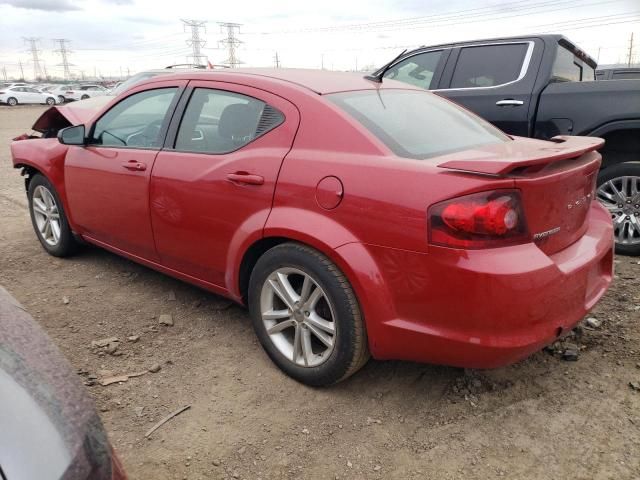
(237, 121)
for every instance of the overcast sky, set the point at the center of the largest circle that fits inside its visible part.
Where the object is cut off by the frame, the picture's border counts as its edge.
(107, 36)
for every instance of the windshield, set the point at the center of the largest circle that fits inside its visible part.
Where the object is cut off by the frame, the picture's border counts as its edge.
(417, 124)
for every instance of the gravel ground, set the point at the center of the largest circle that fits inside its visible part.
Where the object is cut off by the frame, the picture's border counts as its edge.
(542, 418)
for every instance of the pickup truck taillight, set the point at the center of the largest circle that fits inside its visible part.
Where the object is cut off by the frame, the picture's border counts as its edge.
(480, 220)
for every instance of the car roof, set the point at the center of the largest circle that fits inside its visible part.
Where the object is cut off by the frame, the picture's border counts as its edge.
(318, 81)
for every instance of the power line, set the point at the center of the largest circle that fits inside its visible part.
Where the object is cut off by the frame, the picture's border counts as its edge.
(231, 42)
(63, 51)
(196, 43)
(35, 56)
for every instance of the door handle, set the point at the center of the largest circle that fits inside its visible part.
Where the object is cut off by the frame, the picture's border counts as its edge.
(134, 165)
(245, 178)
(509, 101)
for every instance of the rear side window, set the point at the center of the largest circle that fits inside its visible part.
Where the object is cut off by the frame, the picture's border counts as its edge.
(489, 65)
(569, 68)
(417, 70)
(217, 121)
(415, 124)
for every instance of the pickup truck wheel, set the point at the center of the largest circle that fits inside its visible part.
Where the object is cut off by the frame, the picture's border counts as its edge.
(306, 315)
(48, 218)
(619, 191)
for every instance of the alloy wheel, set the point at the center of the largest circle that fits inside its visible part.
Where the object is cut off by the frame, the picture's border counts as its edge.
(47, 215)
(621, 196)
(298, 317)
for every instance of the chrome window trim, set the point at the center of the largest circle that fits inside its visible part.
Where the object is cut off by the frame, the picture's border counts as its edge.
(523, 70)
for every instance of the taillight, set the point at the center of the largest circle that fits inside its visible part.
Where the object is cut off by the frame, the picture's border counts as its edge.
(480, 220)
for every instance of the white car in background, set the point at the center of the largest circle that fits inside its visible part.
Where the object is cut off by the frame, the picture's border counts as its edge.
(25, 95)
(82, 92)
(59, 91)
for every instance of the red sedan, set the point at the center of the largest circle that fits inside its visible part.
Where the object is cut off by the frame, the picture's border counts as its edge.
(354, 218)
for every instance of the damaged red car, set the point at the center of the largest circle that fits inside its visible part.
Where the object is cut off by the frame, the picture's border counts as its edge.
(353, 217)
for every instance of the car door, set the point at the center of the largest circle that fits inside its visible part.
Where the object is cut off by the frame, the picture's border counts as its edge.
(214, 180)
(491, 80)
(107, 181)
(20, 94)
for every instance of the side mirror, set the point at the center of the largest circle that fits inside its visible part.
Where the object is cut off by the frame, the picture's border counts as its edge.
(72, 135)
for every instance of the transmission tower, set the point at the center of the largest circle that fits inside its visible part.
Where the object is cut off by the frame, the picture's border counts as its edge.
(231, 42)
(32, 42)
(196, 43)
(64, 52)
(4, 73)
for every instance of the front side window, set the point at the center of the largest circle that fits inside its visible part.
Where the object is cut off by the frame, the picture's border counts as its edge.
(489, 65)
(416, 124)
(217, 121)
(417, 70)
(135, 122)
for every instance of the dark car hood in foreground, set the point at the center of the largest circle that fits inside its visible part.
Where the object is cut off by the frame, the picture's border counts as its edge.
(49, 428)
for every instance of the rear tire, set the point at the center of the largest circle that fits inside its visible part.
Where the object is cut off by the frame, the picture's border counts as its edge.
(616, 187)
(48, 218)
(332, 318)
(61, 99)
(51, 101)
(12, 101)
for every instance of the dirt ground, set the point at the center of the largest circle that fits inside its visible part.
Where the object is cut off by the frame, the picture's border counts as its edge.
(542, 418)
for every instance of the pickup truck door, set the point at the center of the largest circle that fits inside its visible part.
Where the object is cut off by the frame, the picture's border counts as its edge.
(495, 81)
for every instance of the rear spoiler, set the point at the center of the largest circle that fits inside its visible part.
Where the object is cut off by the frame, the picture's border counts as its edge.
(559, 148)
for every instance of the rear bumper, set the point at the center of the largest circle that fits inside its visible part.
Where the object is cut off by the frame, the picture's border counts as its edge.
(483, 308)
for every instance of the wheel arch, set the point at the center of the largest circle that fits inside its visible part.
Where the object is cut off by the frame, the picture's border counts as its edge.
(622, 142)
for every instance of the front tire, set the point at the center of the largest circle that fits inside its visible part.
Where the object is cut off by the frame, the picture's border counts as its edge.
(306, 315)
(48, 218)
(12, 101)
(84, 97)
(51, 101)
(619, 191)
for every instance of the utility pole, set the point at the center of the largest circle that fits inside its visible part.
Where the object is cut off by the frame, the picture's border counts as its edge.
(231, 42)
(64, 52)
(276, 60)
(630, 58)
(35, 56)
(21, 70)
(196, 43)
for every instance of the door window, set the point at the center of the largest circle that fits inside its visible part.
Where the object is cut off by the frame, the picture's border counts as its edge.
(136, 121)
(489, 65)
(216, 121)
(417, 70)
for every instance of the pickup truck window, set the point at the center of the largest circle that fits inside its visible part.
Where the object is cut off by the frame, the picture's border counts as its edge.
(568, 68)
(417, 124)
(416, 70)
(489, 65)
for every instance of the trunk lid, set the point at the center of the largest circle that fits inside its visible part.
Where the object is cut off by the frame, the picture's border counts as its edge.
(556, 179)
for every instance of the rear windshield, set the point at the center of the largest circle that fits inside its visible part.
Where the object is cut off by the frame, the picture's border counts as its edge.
(417, 124)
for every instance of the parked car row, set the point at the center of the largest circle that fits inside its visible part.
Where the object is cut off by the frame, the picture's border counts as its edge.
(21, 93)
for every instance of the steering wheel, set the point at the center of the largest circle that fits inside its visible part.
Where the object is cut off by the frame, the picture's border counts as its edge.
(147, 137)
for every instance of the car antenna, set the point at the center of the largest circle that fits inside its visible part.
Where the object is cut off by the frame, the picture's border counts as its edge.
(377, 76)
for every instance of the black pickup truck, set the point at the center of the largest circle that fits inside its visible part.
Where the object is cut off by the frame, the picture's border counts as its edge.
(542, 86)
